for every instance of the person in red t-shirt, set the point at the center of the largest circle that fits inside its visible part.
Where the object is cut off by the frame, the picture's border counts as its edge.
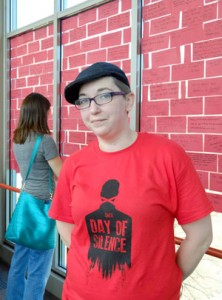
(117, 199)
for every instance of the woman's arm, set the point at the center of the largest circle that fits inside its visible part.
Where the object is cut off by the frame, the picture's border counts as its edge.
(65, 231)
(198, 239)
(56, 165)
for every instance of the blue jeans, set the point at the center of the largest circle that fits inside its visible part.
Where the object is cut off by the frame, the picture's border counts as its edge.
(29, 273)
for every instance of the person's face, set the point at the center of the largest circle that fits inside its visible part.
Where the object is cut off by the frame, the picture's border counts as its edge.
(109, 119)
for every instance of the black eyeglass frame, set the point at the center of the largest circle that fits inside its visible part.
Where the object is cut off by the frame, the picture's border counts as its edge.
(94, 99)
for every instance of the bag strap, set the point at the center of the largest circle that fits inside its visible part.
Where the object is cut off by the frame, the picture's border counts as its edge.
(34, 152)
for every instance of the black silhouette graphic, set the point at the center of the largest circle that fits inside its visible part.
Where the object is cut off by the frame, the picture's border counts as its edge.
(110, 233)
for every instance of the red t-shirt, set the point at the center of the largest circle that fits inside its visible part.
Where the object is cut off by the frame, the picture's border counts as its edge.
(123, 205)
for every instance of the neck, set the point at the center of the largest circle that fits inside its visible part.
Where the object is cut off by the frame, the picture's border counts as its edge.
(118, 143)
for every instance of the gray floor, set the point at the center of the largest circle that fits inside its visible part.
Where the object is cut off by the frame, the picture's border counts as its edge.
(3, 283)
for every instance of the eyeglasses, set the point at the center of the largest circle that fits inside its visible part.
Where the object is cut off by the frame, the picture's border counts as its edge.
(100, 99)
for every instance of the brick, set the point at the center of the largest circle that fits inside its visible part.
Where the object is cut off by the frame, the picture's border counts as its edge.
(20, 83)
(164, 91)
(76, 137)
(164, 24)
(77, 60)
(220, 163)
(92, 57)
(23, 71)
(155, 108)
(184, 5)
(22, 39)
(71, 49)
(214, 67)
(156, 10)
(147, 124)
(111, 39)
(97, 27)
(77, 34)
(40, 56)
(27, 59)
(199, 14)
(15, 62)
(118, 52)
(153, 43)
(171, 124)
(166, 57)
(25, 91)
(108, 9)
(14, 94)
(69, 123)
(127, 36)
(126, 66)
(119, 21)
(126, 5)
(216, 182)
(33, 47)
(67, 148)
(203, 161)
(69, 75)
(47, 67)
(21, 50)
(41, 89)
(203, 178)
(207, 49)
(186, 106)
(33, 80)
(46, 79)
(190, 142)
(188, 71)
(213, 29)
(183, 36)
(36, 69)
(216, 201)
(65, 38)
(87, 16)
(40, 33)
(205, 124)
(205, 87)
(156, 75)
(220, 10)
(69, 24)
(46, 43)
(213, 143)
(90, 44)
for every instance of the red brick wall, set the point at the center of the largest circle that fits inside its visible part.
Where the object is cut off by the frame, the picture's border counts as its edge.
(182, 82)
(31, 70)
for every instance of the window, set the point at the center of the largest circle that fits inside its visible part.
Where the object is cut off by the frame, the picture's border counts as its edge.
(25, 12)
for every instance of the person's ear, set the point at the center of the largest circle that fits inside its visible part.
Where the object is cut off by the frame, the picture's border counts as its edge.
(130, 98)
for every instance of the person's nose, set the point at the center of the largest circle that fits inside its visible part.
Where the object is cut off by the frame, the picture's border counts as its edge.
(94, 108)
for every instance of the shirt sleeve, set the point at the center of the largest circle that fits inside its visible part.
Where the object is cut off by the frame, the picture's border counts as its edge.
(50, 149)
(193, 203)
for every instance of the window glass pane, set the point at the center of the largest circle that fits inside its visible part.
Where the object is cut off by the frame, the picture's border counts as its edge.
(29, 11)
(69, 3)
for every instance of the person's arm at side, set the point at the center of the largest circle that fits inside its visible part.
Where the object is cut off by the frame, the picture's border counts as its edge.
(65, 231)
(197, 241)
(56, 165)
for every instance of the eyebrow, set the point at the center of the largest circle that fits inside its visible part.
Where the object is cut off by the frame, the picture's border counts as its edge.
(99, 90)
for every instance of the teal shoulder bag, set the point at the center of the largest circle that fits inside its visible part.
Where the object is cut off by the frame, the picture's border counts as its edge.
(30, 224)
